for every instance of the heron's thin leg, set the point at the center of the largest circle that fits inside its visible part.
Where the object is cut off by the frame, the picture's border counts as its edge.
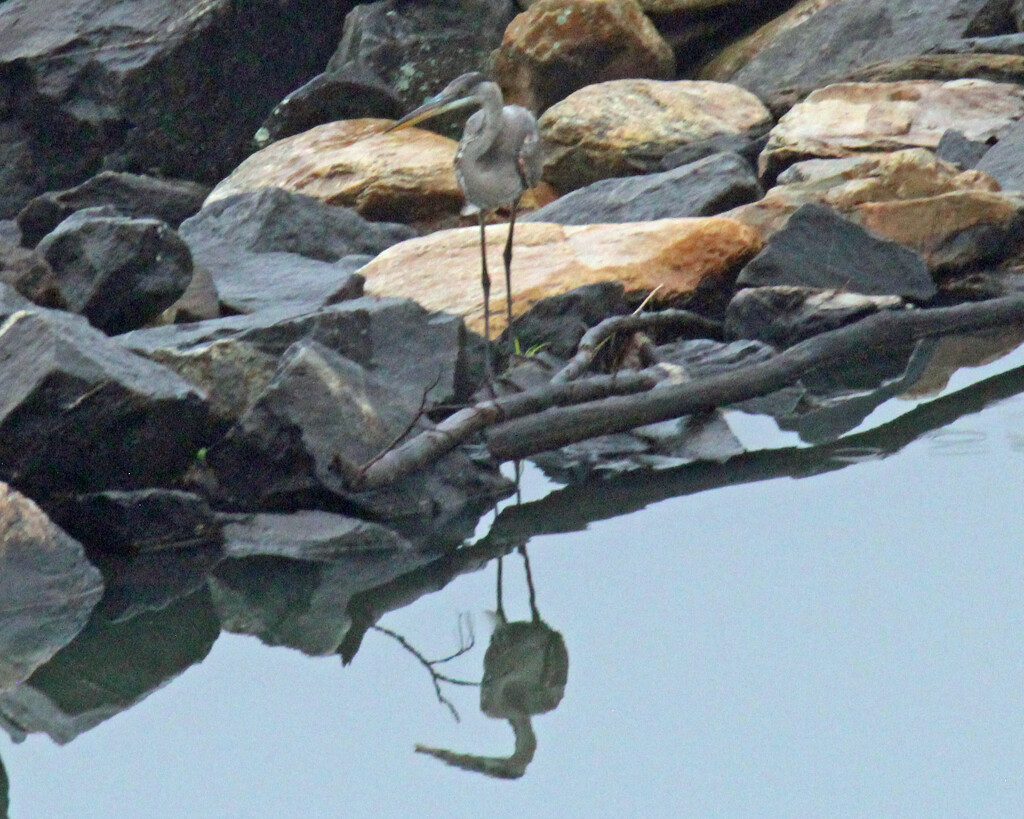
(529, 584)
(500, 608)
(508, 275)
(485, 283)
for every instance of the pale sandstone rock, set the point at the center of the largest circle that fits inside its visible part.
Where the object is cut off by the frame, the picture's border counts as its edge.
(846, 118)
(559, 46)
(399, 176)
(625, 127)
(442, 271)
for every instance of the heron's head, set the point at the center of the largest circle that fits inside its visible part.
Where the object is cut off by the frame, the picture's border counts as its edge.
(469, 89)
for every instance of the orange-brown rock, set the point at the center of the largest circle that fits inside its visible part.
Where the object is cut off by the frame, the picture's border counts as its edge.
(625, 127)
(847, 118)
(732, 58)
(909, 196)
(558, 46)
(401, 176)
(442, 271)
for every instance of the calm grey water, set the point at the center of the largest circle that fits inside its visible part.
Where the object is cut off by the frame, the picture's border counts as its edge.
(844, 645)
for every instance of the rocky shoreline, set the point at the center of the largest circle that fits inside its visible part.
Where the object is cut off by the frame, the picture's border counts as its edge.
(225, 291)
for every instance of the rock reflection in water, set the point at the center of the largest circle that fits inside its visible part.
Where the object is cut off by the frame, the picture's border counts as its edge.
(525, 670)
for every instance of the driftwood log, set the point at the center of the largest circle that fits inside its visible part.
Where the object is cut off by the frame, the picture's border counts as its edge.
(559, 414)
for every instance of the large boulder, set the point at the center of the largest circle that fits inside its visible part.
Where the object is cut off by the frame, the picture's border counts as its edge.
(155, 86)
(78, 412)
(679, 256)
(627, 127)
(116, 271)
(842, 36)
(401, 176)
(849, 118)
(559, 46)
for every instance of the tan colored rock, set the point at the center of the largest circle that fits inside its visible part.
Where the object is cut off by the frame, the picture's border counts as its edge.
(625, 127)
(559, 46)
(908, 196)
(731, 59)
(925, 225)
(401, 176)
(846, 118)
(442, 271)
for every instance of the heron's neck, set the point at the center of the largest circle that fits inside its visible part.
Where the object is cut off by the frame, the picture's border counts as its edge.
(491, 103)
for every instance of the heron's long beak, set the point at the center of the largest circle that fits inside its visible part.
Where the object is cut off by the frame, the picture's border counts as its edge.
(431, 108)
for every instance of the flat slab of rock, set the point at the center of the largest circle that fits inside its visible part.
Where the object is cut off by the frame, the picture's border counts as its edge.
(401, 176)
(275, 220)
(1005, 160)
(702, 188)
(47, 587)
(626, 127)
(559, 46)
(848, 118)
(819, 248)
(442, 271)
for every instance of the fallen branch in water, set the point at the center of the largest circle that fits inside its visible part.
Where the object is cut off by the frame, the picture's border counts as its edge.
(559, 414)
(557, 427)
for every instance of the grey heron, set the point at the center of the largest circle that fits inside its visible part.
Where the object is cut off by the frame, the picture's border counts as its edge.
(498, 158)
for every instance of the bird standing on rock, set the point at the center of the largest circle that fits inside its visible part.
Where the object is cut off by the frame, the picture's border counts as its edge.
(498, 158)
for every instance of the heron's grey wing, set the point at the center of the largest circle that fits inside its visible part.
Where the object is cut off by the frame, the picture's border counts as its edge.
(529, 157)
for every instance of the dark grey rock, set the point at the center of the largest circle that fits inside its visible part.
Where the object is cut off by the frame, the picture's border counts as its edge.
(556, 324)
(748, 146)
(845, 36)
(79, 412)
(703, 188)
(273, 219)
(288, 579)
(417, 48)
(819, 248)
(321, 418)
(30, 274)
(117, 272)
(1017, 13)
(147, 87)
(346, 92)
(109, 667)
(11, 301)
(1005, 160)
(234, 358)
(47, 587)
(10, 232)
(783, 315)
(248, 282)
(141, 521)
(135, 195)
(963, 152)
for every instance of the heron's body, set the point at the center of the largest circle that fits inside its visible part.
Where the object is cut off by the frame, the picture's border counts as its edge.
(498, 158)
(484, 158)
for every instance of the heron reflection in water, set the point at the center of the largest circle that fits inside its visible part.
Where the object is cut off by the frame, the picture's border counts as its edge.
(525, 670)
(498, 158)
